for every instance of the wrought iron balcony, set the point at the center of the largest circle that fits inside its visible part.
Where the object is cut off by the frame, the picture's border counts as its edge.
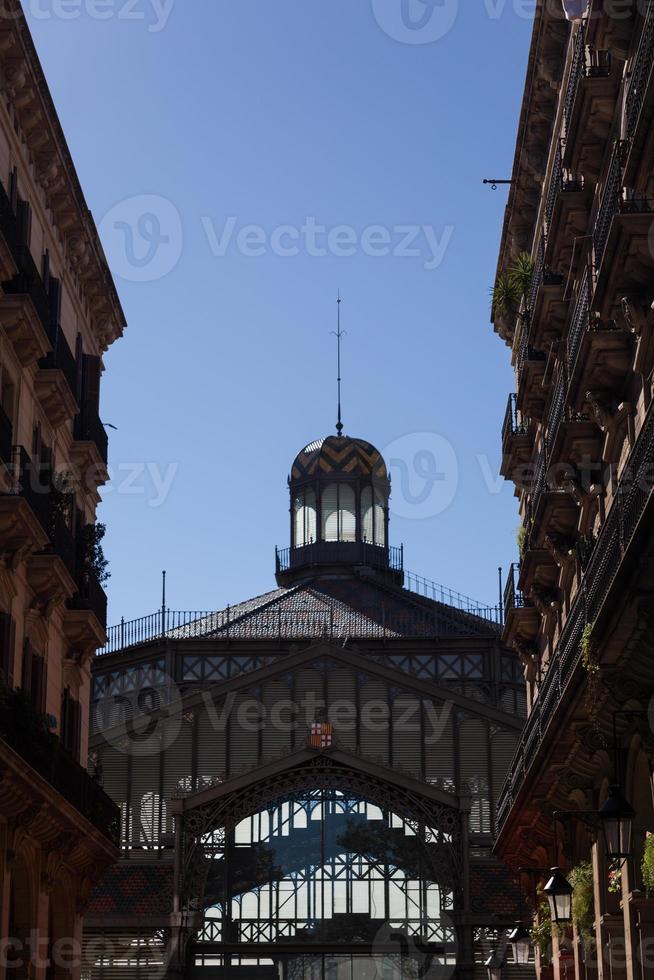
(339, 552)
(641, 73)
(91, 596)
(513, 598)
(25, 732)
(61, 357)
(6, 437)
(89, 428)
(28, 282)
(617, 537)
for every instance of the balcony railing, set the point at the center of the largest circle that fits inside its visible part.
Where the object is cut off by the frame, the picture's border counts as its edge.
(91, 596)
(61, 357)
(537, 276)
(34, 485)
(557, 406)
(513, 598)
(6, 437)
(28, 282)
(89, 428)
(337, 552)
(640, 74)
(25, 732)
(576, 74)
(514, 422)
(527, 353)
(579, 324)
(609, 204)
(633, 496)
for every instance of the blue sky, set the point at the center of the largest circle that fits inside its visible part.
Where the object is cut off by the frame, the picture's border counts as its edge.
(190, 121)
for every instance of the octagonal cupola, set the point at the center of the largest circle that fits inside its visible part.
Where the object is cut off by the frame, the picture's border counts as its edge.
(339, 490)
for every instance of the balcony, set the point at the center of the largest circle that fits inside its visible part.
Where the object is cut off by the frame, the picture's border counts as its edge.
(25, 732)
(336, 553)
(56, 380)
(90, 451)
(638, 96)
(521, 619)
(617, 543)
(530, 367)
(6, 437)
(90, 601)
(589, 105)
(517, 439)
(622, 256)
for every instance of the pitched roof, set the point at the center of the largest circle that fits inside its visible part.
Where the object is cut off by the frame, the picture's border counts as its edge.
(338, 608)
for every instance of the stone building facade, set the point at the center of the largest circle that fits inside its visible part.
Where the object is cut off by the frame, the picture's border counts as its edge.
(574, 303)
(59, 312)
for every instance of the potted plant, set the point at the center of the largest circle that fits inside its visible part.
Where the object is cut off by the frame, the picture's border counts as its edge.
(647, 864)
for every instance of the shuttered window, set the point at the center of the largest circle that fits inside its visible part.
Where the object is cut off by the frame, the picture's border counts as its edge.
(304, 518)
(339, 521)
(372, 517)
(7, 644)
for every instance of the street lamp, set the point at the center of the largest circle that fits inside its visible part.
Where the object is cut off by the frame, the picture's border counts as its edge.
(494, 965)
(559, 892)
(520, 939)
(616, 817)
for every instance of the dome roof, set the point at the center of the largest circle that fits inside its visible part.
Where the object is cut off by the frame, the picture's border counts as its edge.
(339, 454)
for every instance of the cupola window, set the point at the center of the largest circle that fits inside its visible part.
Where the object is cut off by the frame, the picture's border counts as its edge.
(339, 521)
(304, 518)
(372, 517)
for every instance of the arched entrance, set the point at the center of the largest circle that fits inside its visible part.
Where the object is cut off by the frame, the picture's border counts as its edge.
(321, 869)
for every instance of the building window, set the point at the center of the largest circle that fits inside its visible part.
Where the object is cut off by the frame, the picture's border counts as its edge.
(373, 528)
(304, 518)
(339, 513)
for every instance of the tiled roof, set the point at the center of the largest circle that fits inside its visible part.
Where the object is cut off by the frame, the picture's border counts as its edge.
(338, 607)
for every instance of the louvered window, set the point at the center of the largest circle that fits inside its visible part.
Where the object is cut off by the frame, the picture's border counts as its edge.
(304, 518)
(339, 513)
(372, 517)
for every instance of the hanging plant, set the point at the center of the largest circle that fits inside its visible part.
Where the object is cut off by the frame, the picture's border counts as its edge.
(615, 878)
(521, 273)
(522, 541)
(647, 864)
(592, 669)
(583, 903)
(543, 929)
(92, 556)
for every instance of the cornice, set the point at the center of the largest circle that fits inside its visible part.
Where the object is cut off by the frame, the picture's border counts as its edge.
(28, 97)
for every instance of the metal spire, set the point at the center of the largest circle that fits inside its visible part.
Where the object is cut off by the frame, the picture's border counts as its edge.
(338, 334)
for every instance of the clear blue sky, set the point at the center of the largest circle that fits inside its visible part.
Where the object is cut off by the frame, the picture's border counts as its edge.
(268, 114)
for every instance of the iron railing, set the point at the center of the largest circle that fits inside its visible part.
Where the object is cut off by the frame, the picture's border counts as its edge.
(557, 406)
(579, 324)
(61, 357)
(609, 204)
(616, 536)
(334, 621)
(91, 595)
(339, 551)
(28, 282)
(89, 428)
(26, 734)
(539, 484)
(640, 73)
(6, 437)
(576, 74)
(513, 598)
(514, 421)
(537, 275)
(556, 184)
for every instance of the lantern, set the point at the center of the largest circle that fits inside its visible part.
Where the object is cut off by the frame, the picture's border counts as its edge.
(616, 817)
(494, 965)
(520, 940)
(559, 892)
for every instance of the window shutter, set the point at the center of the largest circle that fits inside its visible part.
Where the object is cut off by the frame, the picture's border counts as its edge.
(24, 223)
(7, 641)
(91, 383)
(347, 513)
